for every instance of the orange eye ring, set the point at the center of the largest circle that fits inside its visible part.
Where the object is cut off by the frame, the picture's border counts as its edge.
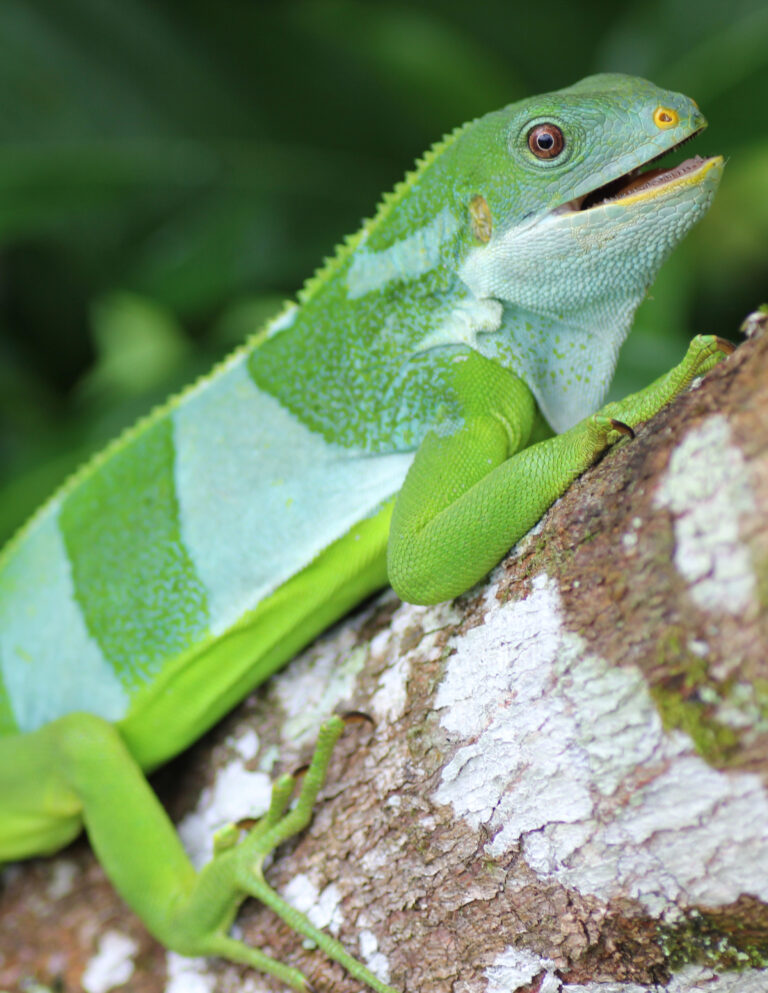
(665, 117)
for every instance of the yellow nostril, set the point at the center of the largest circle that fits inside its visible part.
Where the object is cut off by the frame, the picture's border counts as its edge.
(664, 117)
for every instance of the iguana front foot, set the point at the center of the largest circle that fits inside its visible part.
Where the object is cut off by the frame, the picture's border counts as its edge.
(704, 352)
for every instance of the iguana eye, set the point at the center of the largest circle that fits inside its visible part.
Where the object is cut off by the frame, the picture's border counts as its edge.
(546, 141)
(665, 117)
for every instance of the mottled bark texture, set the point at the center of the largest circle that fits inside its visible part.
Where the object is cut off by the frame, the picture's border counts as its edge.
(564, 784)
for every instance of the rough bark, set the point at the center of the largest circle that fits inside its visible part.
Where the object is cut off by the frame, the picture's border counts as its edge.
(564, 787)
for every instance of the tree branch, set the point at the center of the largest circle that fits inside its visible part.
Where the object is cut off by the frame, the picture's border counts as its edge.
(564, 784)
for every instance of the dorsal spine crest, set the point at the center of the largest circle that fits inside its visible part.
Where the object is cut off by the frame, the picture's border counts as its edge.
(388, 202)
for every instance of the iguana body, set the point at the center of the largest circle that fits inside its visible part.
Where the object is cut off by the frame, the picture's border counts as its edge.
(486, 299)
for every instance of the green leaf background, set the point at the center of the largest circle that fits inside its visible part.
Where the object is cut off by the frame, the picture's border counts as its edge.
(169, 172)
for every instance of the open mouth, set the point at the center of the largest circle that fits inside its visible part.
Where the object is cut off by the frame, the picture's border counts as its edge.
(635, 181)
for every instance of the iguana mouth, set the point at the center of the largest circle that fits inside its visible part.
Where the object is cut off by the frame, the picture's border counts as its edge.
(636, 181)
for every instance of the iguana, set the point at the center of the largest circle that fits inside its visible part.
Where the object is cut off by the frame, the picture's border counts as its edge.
(434, 388)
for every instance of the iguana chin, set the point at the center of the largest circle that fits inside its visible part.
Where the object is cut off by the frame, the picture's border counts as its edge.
(436, 386)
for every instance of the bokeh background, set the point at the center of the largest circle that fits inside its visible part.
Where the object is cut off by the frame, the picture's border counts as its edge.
(170, 171)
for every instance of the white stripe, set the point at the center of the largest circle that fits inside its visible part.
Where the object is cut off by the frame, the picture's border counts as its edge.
(50, 663)
(260, 495)
(408, 258)
(282, 321)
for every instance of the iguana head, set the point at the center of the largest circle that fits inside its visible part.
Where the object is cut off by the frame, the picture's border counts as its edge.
(569, 217)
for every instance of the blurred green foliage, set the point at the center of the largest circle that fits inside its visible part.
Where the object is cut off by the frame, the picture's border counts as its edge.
(170, 171)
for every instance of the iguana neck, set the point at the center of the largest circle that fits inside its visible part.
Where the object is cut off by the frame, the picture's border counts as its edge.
(567, 361)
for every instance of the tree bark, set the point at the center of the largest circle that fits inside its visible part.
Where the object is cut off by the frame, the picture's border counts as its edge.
(563, 789)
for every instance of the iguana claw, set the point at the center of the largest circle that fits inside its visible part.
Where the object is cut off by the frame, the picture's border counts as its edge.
(622, 428)
(725, 346)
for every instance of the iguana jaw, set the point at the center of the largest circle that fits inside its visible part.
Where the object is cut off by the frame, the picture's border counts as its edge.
(642, 184)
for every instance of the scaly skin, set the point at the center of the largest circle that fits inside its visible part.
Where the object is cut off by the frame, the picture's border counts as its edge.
(381, 429)
(507, 499)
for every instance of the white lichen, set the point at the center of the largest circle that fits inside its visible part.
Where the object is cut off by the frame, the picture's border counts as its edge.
(188, 975)
(245, 743)
(376, 960)
(317, 681)
(691, 979)
(390, 698)
(707, 489)
(112, 965)
(63, 878)
(566, 757)
(322, 907)
(237, 793)
(516, 968)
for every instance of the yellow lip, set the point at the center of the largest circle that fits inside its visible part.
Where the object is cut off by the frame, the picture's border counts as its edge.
(693, 177)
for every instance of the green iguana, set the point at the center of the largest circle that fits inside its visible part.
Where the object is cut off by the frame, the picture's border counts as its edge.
(436, 386)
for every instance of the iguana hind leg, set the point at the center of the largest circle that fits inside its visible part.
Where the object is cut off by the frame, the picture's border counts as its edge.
(240, 866)
(89, 777)
(39, 812)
